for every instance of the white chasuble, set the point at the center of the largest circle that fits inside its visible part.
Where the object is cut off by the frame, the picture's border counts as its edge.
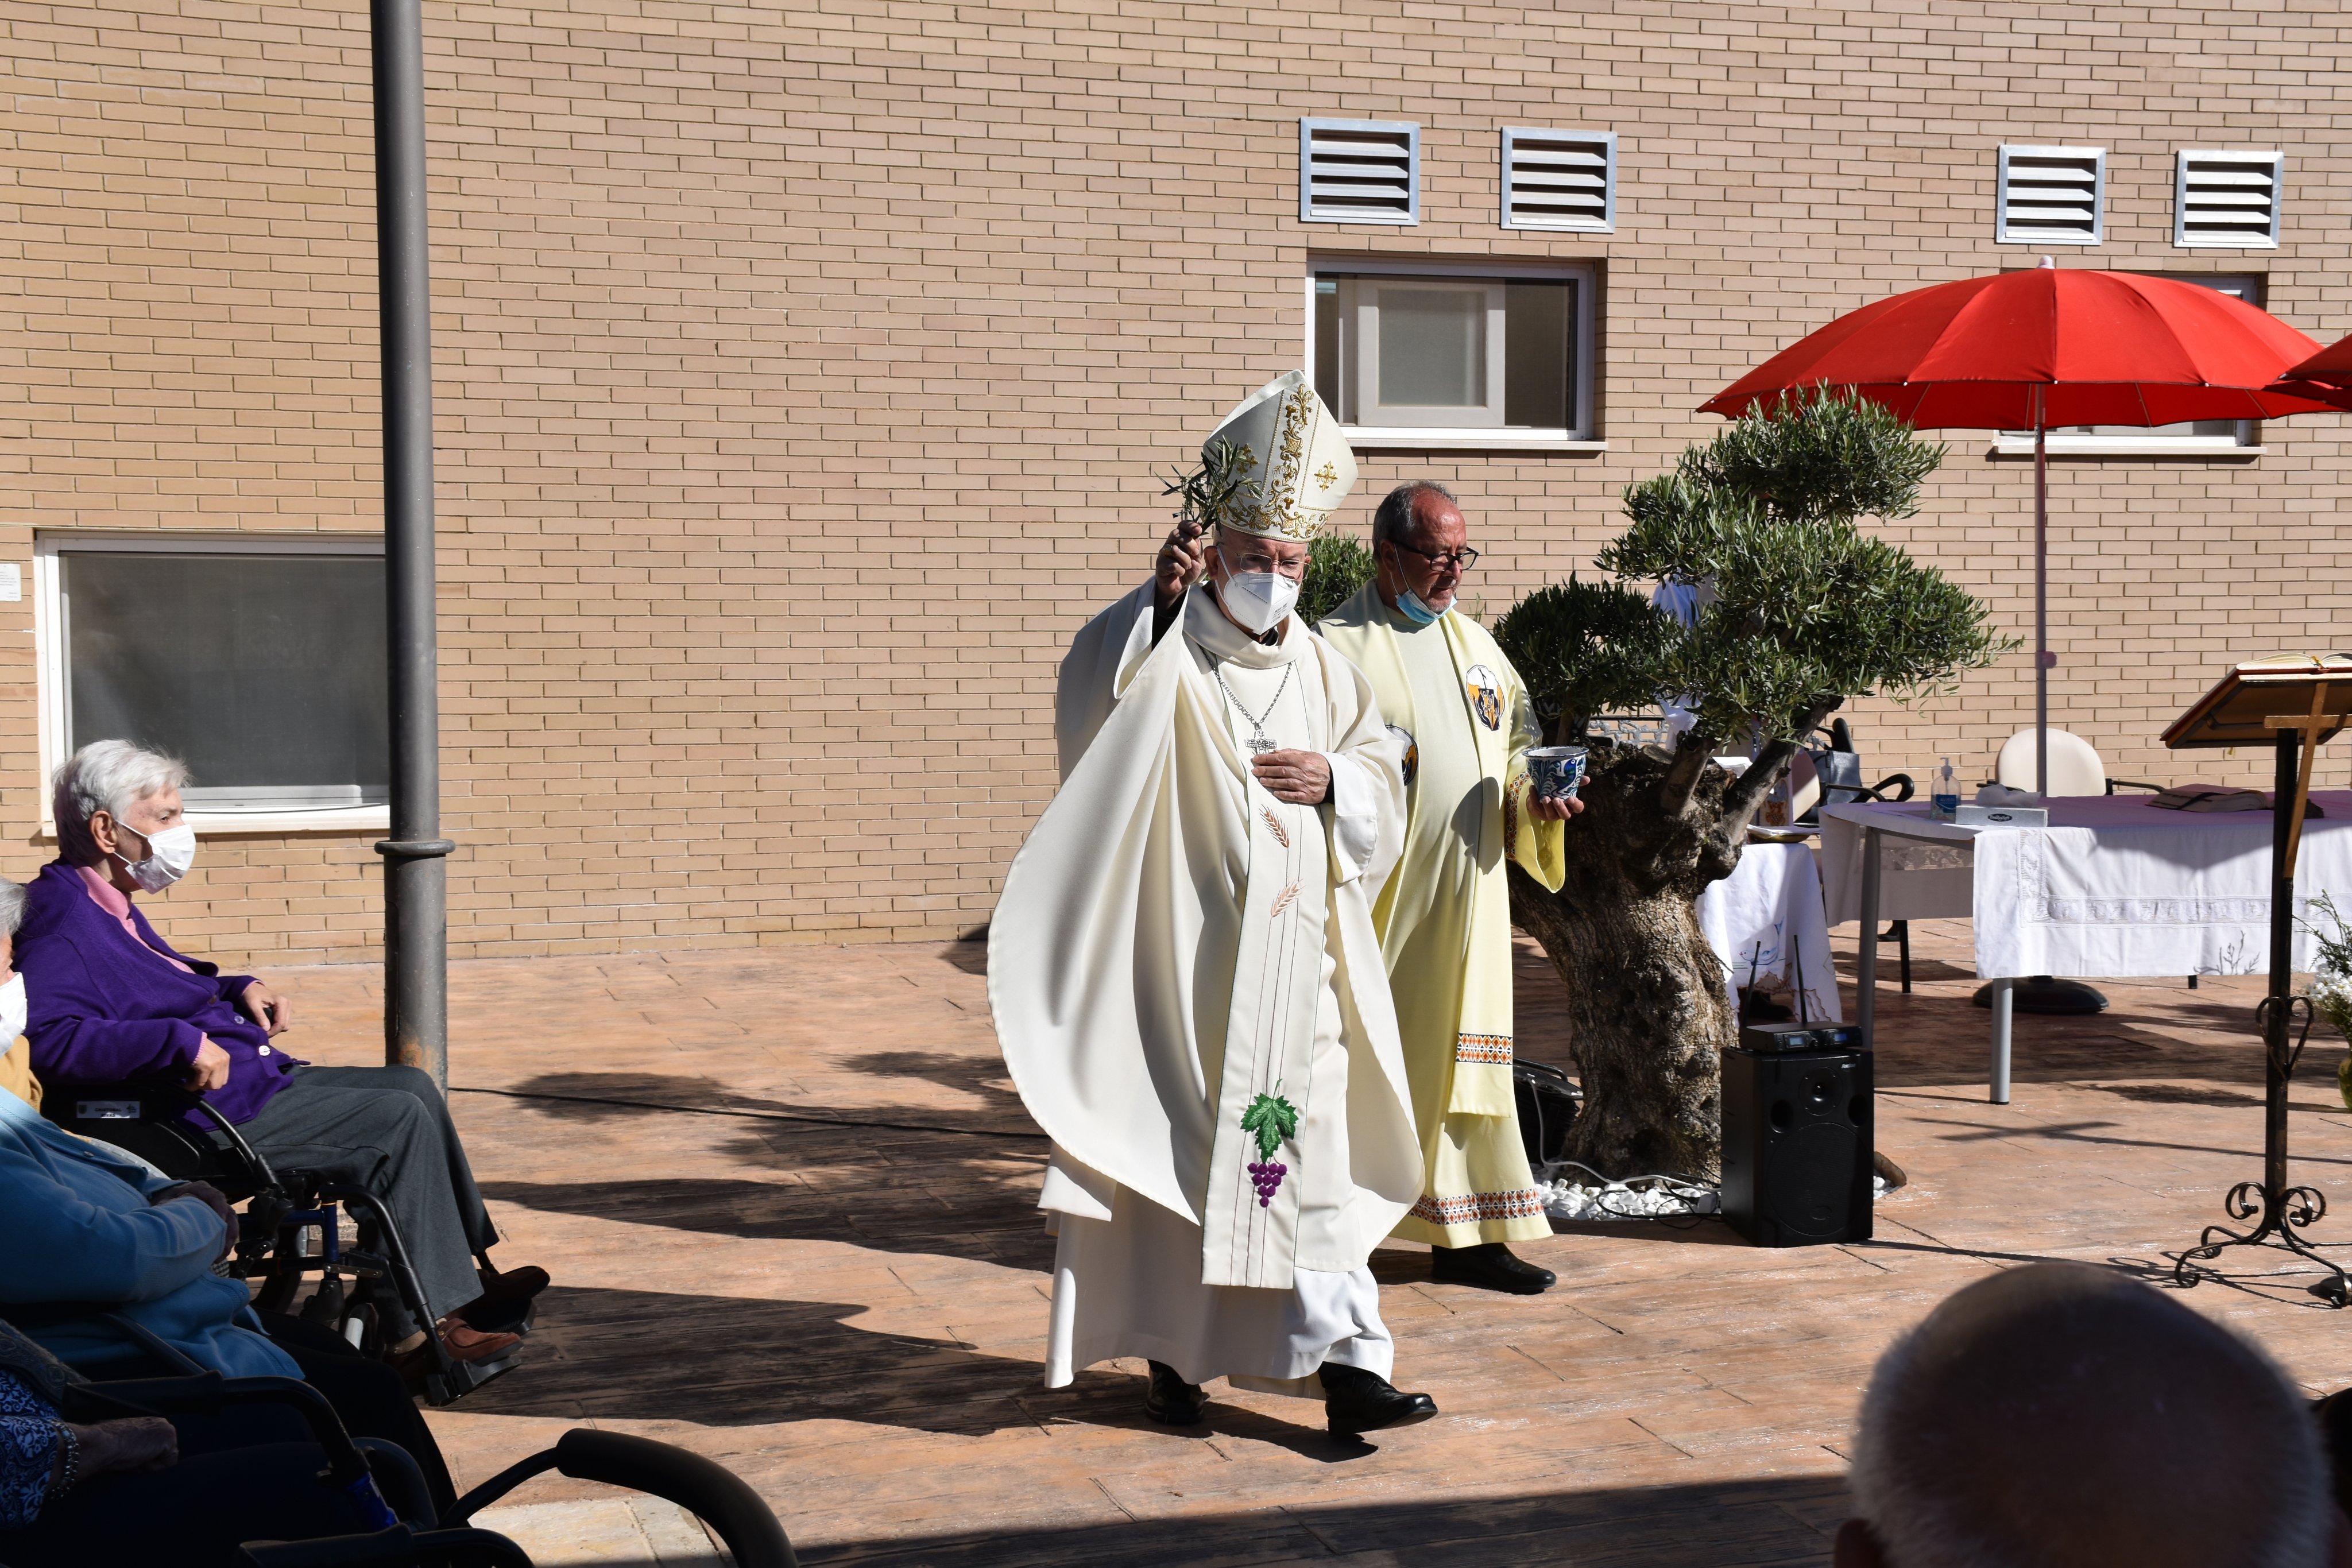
(1444, 915)
(1175, 951)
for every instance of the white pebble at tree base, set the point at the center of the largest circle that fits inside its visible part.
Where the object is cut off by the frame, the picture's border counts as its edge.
(1575, 1192)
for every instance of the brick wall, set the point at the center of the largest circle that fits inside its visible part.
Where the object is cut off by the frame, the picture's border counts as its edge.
(804, 375)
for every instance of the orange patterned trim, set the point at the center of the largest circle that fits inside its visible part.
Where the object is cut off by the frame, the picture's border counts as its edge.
(1525, 1204)
(1487, 1050)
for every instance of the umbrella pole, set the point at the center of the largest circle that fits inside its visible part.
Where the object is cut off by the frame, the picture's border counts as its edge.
(2041, 599)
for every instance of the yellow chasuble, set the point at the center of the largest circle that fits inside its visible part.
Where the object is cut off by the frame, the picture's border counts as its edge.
(1444, 916)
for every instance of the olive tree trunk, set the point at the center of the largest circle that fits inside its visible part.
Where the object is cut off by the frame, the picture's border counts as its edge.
(1648, 1011)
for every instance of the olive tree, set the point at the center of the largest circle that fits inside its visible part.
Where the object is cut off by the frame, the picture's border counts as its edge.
(1799, 610)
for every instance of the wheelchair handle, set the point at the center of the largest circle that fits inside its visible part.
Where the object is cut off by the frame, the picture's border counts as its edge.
(712, 1493)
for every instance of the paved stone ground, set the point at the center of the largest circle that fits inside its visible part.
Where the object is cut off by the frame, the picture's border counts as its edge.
(786, 1194)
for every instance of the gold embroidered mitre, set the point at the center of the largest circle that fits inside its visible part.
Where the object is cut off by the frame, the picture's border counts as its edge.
(1298, 464)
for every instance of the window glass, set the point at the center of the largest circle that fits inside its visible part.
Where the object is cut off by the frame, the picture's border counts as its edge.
(1538, 348)
(263, 672)
(1453, 354)
(1433, 347)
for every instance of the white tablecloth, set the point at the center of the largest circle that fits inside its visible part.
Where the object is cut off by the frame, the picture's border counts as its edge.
(2112, 886)
(1771, 902)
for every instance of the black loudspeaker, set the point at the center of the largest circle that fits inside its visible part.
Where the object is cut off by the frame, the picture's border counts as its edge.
(1796, 1139)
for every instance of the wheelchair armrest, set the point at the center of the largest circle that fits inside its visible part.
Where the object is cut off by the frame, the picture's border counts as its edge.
(711, 1492)
(398, 1547)
(1878, 791)
(2116, 784)
(209, 1393)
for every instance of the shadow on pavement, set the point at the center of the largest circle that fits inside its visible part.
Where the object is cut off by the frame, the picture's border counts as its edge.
(1730, 1524)
(728, 1360)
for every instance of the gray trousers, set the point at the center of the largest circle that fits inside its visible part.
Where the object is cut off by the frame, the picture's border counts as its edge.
(388, 1130)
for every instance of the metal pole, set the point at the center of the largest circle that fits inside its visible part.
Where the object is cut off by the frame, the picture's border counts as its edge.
(1866, 968)
(2041, 599)
(416, 918)
(2276, 1018)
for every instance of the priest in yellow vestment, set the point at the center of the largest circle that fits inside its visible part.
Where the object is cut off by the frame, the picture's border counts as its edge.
(1444, 916)
(1183, 972)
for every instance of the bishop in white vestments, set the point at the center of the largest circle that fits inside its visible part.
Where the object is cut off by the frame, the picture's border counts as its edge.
(1183, 972)
(1444, 916)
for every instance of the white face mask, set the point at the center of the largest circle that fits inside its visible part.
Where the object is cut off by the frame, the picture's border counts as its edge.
(1258, 599)
(12, 1009)
(170, 853)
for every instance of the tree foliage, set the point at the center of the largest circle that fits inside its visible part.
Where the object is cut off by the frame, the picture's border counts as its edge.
(1799, 608)
(1337, 566)
(1585, 648)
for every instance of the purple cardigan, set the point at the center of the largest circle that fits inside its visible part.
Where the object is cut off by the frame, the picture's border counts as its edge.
(103, 1011)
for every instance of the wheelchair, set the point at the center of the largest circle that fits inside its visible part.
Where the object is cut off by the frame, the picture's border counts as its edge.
(384, 1486)
(291, 1222)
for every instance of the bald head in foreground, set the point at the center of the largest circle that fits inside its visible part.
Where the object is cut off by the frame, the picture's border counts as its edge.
(2059, 1415)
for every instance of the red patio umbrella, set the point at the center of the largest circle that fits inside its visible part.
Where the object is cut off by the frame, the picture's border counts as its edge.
(2028, 350)
(2327, 376)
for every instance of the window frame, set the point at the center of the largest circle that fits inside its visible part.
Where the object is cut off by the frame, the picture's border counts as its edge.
(1416, 416)
(1607, 140)
(1580, 437)
(2003, 233)
(1309, 126)
(51, 650)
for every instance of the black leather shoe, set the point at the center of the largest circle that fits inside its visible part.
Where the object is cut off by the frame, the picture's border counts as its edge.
(1490, 1267)
(1171, 1401)
(1356, 1402)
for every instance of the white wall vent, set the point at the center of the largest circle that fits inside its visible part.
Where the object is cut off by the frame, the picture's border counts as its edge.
(2225, 198)
(1559, 179)
(2050, 195)
(1359, 172)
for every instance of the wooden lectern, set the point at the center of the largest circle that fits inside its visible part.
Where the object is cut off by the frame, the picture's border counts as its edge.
(2294, 704)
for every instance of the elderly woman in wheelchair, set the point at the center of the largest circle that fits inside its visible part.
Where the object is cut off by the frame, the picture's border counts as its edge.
(121, 1026)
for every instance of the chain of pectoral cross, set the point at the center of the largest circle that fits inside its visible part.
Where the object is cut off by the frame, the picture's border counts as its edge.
(1257, 743)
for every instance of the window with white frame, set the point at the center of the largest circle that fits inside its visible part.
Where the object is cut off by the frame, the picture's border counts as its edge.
(1479, 355)
(259, 662)
(2226, 198)
(1359, 172)
(2220, 436)
(2050, 195)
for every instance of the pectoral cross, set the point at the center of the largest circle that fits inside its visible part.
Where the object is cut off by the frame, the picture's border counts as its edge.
(1259, 745)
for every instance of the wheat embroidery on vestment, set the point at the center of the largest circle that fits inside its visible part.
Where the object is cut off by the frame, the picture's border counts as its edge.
(1274, 826)
(1282, 900)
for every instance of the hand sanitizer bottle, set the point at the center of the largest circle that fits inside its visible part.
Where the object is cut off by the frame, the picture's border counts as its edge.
(1947, 798)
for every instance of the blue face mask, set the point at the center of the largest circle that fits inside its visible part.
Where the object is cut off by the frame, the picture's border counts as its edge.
(1417, 611)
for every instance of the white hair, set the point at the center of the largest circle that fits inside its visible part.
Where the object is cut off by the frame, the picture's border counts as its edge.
(109, 775)
(1951, 1454)
(11, 906)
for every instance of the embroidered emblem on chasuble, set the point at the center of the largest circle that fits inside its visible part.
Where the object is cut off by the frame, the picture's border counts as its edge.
(1411, 753)
(1249, 1220)
(1486, 690)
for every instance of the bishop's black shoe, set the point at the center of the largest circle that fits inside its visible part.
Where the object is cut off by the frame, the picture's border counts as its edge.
(1171, 1401)
(1490, 1267)
(1356, 1402)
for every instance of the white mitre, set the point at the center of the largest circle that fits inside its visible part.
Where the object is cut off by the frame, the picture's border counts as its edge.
(1299, 465)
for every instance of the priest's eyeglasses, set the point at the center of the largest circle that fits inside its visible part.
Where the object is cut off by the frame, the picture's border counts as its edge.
(1462, 559)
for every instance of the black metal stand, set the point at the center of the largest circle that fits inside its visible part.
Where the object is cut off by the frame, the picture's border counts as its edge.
(2281, 1213)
